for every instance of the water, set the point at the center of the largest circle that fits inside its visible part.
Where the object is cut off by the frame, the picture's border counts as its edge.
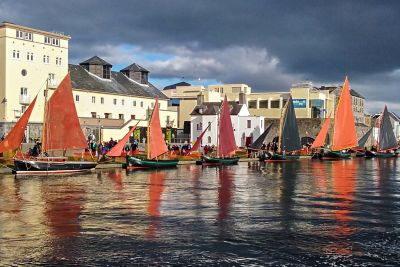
(303, 213)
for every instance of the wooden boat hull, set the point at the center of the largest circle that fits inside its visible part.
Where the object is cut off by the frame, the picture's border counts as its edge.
(378, 154)
(45, 167)
(147, 163)
(281, 158)
(360, 154)
(219, 161)
(335, 155)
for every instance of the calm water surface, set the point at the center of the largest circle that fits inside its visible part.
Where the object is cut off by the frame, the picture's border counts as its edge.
(303, 213)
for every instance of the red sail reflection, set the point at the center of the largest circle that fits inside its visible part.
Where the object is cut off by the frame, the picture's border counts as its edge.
(224, 192)
(344, 175)
(116, 177)
(156, 188)
(62, 210)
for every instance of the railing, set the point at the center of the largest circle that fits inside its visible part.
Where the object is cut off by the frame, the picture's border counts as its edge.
(24, 99)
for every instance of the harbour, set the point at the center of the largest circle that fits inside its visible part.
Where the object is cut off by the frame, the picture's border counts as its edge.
(299, 213)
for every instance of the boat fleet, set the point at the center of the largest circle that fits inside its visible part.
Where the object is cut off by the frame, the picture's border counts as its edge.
(62, 132)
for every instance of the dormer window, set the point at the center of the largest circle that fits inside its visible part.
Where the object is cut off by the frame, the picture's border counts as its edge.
(106, 72)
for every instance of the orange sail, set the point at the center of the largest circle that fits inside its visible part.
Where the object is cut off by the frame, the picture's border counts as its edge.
(14, 139)
(226, 138)
(156, 141)
(116, 150)
(344, 129)
(61, 126)
(320, 139)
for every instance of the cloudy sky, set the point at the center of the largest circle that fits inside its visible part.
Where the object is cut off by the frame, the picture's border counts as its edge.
(266, 44)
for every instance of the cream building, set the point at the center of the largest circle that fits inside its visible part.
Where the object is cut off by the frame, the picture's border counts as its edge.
(107, 102)
(28, 59)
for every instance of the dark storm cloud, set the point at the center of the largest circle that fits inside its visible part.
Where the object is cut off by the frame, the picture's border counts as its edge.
(317, 40)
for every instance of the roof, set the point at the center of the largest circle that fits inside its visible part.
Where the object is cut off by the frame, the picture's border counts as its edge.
(173, 86)
(118, 84)
(95, 61)
(212, 108)
(135, 67)
(356, 94)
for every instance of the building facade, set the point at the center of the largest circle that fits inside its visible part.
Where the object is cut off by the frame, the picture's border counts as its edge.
(247, 128)
(33, 61)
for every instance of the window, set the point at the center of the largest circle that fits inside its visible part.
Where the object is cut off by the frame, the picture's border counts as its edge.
(23, 108)
(94, 114)
(252, 103)
(134, 103)
(46, 59)
(123, 101)
(209, 139)
(133, 117)
(121, 116)
(141, 103)
(263, 103)
(115, 101)
(77, 98)
(24, 35)
(209, 128)
(248, 123)
(24, 91)
(106, 72)
(16, 54)
(102, 100)
(275, 104)
(58, 61)
(93, 99)
(29, 56)
(107, 115)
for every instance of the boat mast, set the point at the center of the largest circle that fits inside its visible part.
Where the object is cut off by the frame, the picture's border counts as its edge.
(46, 90)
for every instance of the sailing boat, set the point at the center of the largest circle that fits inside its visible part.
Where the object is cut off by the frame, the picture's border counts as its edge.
(61, 131)
(116, 151)
(289, 139)
(226, 140)
(387, 140)
(155, 146)
(344, 129)
(360, 149)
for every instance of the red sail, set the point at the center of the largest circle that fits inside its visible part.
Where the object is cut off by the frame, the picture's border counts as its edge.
(196, 145)
(156, 140)
(116, 151)
(226, 138)
(344, 130)
(14, 138)
(320, 139)
(61, 126)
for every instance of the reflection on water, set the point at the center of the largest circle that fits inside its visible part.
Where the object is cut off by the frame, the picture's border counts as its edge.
(305, 212)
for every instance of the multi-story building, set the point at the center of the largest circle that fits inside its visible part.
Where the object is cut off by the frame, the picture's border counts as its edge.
(247, 128)
(107, 102)
(29, 59)
(116, 100)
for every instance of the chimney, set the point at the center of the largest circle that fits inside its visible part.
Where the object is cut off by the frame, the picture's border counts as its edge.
(242, 98)
(200, 99)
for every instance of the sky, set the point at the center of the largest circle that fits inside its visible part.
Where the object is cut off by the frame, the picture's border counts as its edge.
(267, 44)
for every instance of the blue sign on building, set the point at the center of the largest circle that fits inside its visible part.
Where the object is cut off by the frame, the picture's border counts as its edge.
(299, 103)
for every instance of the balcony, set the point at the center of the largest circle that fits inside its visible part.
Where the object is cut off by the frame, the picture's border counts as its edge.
(24, 99)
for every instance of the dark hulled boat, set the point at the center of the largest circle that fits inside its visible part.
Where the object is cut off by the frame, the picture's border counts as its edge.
(289, 139)
(387, 144)
(61, 132)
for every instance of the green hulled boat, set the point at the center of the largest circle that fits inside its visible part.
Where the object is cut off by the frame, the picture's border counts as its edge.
(149, 163)
(282, 157)
(220, 161)
(333, 155)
